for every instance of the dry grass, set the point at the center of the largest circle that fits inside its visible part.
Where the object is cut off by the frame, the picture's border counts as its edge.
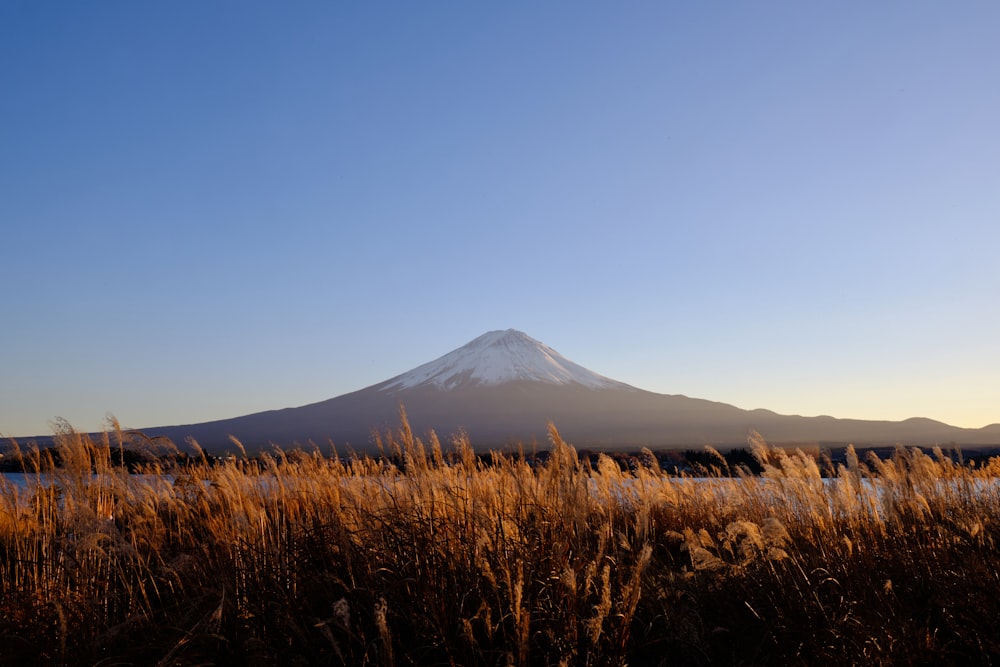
(300, 558)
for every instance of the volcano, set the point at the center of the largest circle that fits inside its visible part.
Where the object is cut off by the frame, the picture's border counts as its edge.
(504, 388)
(496, 358)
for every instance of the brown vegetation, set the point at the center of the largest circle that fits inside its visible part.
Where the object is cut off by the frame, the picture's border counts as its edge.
(301, 558)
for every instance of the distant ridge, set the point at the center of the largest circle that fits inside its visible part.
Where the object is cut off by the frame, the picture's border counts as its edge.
(504, 387)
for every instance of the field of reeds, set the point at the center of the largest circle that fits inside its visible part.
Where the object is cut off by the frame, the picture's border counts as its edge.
(435, 556)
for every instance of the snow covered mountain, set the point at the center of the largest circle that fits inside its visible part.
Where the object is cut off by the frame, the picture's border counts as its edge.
(505, 387)
(498, 357)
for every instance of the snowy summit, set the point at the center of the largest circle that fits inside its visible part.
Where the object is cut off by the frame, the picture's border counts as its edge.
(498, 357)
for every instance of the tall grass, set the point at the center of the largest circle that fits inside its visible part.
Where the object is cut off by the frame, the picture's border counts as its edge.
(432, 555)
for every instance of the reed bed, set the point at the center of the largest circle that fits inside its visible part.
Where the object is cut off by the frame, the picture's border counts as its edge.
(434, 556)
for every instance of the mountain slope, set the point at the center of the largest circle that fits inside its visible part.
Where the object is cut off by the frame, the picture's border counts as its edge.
(504, 387)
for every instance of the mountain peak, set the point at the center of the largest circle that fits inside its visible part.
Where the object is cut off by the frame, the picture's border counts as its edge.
(499, 357)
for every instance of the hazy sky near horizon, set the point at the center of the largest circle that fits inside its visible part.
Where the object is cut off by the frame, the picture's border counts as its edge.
(209, 209)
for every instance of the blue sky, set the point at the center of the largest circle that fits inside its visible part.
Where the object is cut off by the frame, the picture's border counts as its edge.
(210, 209)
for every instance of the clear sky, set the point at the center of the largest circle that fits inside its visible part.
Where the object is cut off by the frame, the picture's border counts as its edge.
(209, 209)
